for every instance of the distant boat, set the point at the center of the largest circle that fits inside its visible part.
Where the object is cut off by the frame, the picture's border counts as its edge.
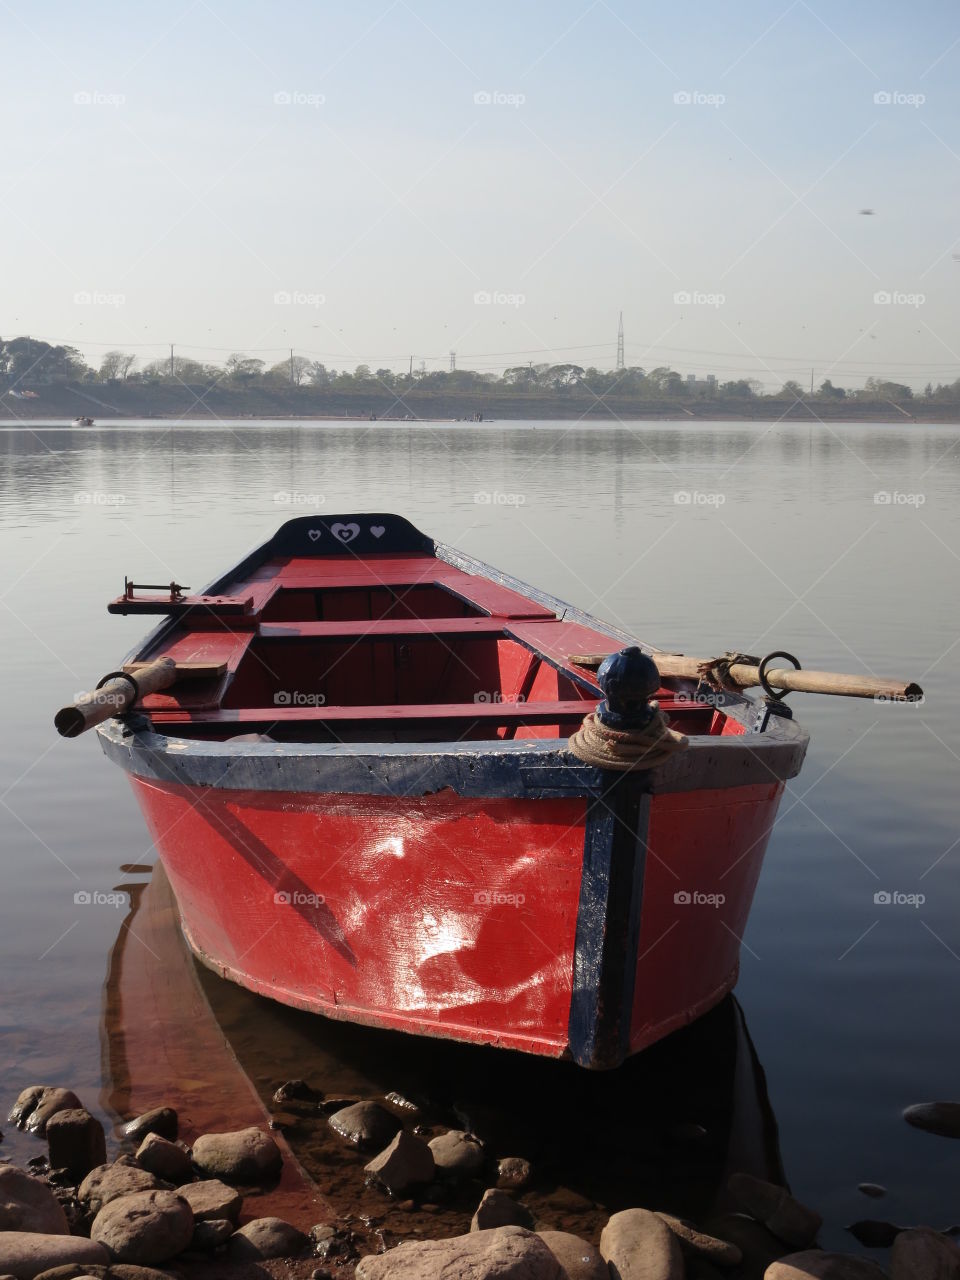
(83, 422)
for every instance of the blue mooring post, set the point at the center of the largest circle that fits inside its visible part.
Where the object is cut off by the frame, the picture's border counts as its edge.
(629, 679)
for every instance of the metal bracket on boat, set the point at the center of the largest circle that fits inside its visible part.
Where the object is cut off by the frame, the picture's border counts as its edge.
(175, 589)
(629, 679)
(772, 703)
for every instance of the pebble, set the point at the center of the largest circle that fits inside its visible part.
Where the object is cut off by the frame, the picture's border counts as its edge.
(166, 1159)
(497, 1209)
(693, 1241)
(872, 1189)
(76, 1141)
(457, 1154)
(27, 1204)
(813, 1264)
(247, 1155)
(513, 1172)
(941, 1118)
(874, 1234)
(638, 1245)
(508, 1253)
(146, 1227)
(297, 1091)
(407, 1162)
(776, 1208)
(579, 1259)
(267, 1238)
(211, 1198)
(34, 1107)
(161, 1120)
(110, 1181)
(400, 1103)
(365, 1125)
(211, 1233)
(28, 1253)
(922, 1254)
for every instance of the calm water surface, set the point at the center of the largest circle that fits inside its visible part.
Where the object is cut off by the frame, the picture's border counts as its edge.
(696, 536)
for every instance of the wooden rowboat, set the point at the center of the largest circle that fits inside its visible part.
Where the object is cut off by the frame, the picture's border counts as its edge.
(361, 790)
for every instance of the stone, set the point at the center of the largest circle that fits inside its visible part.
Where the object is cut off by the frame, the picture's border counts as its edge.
(110, 1181)
(457, 1154)
(638, 1245)
(508, 1253)
(404, 1105)
(34, 1107)
(247, 1155)
(759, 1246)
(579, 1259)
(297, 1091)
(874, 1234)
(25, 1254)
(146, 1227)
(513, 1172)
(941, 1118)
(776, 1208)
(76, 1141)
(872, 1189)
(211, 1233)
(407, 1162)
(162, 1120)
(693, 1241)
(267, 1238)
(815, 1264)
(115, 1271)
(210, 1199)
(365, 1125)
(27, 1204)
(165, 1159)
(497, 1209)
(923, 1254)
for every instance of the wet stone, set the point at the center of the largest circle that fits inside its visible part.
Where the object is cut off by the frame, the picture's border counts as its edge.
(211, 1199)
(407, 1162)
(922, 1254)
(27, 1204)
(297, 1091)
(34, 1107)
(497, 1209)
(247, 1155)
(508, 1253)
(693, 1241)
(76, 1141)
(579, 1259)
(165, 1159)
(404, 1105)
(776, 1208)
(161, 1120)
(144, 1228)
(28, 1253)
(760, 1247)
(874, 1234)
(267, 1238)
(638, 1245)
(457, 1154)
(941, 1118)
(872, 1189)
(110, 1181)
(365, 1125)
(113, 1271)
(212, 1233)
(814, 1264)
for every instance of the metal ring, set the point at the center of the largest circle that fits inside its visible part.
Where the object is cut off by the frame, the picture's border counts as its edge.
(762, 673)
(122, 675)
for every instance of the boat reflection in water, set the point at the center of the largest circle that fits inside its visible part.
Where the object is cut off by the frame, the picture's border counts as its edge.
(665, 1130)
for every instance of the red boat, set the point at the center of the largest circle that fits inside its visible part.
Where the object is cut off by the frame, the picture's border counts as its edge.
(363, 795)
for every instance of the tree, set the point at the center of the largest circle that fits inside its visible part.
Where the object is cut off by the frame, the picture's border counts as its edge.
(34, 361)
(740, 389)
(318, 374)
(827, 391)
(115, 366)
(563, 375)
(293, 371)
(792, 388)
(244, 370)
(884, 390)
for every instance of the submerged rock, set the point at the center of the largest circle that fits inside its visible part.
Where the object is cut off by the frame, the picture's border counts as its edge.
(760, 1247)
(872, 1189)
(693, 1241)
(509, 1253)
(941, 1118)
(76, 1141)
(404, 1105)
(365, 1125)
(457, 1154)
(111, 1181)
(27, 1253)
(513, 1173)
(211, 1199)
(814, 1264)
(247, 1155)
(497, 1209)
(27, 1204)
(165, 1159)
(637, 1245)
(211, 1233)
(146, 1227)
(923, 1254)
(34, 1107)
(161, 1120)
(297, 1091)
(579, 1259)
(267, 1238)
(874, 1234)
(776, 1208)
(406, 1162)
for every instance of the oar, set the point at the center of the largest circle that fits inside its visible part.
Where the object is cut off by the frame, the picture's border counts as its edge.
(115, 694)
(745, 676)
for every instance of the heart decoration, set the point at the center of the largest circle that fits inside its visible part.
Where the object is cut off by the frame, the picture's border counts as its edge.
(345, 532)
(377, 530)
(313, 534)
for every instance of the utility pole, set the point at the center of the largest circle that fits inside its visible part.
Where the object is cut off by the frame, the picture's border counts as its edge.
(411, 367)
(291, 367)
(453, 362)
(620, 361)
(811, 382)
(171, 359)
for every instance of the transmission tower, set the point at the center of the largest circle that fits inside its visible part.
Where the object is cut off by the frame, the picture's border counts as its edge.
(620, 361)
(453, 361)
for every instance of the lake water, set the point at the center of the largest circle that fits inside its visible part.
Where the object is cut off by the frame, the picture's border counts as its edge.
(838, 543)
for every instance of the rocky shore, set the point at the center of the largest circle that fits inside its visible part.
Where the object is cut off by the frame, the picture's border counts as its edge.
(160, 1208)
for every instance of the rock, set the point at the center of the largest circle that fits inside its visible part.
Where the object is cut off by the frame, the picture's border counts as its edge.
(942, 1118)
(923, 1254)
(165, 1159)
(509, 1253)
(513, 1172)
(407, 1162)
(297, 1091)
(404, 1105)
(579, 1260)
(211, 1233)
(34, 1107)
(115, 1271)
(76, 1141)
(759, 1246)
(638, 1245)
(267, 1238)
(27, 1204)
(211, 1199)
(110, 1181)
(365, 1125)
(161, 1120)
(248, 1155)
(497, 1209)
(692, 1241)
(146, 1227)
(874, 1234)
(776, 1208)
(25, 1254)
(872, 1189)
(457, 1154)
(824, 1266)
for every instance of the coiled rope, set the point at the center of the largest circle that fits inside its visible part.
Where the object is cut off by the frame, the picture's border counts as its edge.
(595, 744)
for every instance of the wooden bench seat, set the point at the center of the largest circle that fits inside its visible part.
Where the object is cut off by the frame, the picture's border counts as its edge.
(497, 712)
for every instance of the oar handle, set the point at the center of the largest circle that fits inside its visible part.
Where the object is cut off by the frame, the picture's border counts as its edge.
(114, 696)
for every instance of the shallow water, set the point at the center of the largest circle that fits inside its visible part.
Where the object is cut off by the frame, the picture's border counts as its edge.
(778, 540)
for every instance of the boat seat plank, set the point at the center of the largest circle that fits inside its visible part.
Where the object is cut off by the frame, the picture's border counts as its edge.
(557, 643)
(498, 712)
(361, 628)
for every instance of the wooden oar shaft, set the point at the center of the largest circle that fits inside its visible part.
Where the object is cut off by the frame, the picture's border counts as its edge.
(113, 698)
(747, 676)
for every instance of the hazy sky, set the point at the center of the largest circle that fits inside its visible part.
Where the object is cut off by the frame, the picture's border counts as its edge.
(169, 169)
